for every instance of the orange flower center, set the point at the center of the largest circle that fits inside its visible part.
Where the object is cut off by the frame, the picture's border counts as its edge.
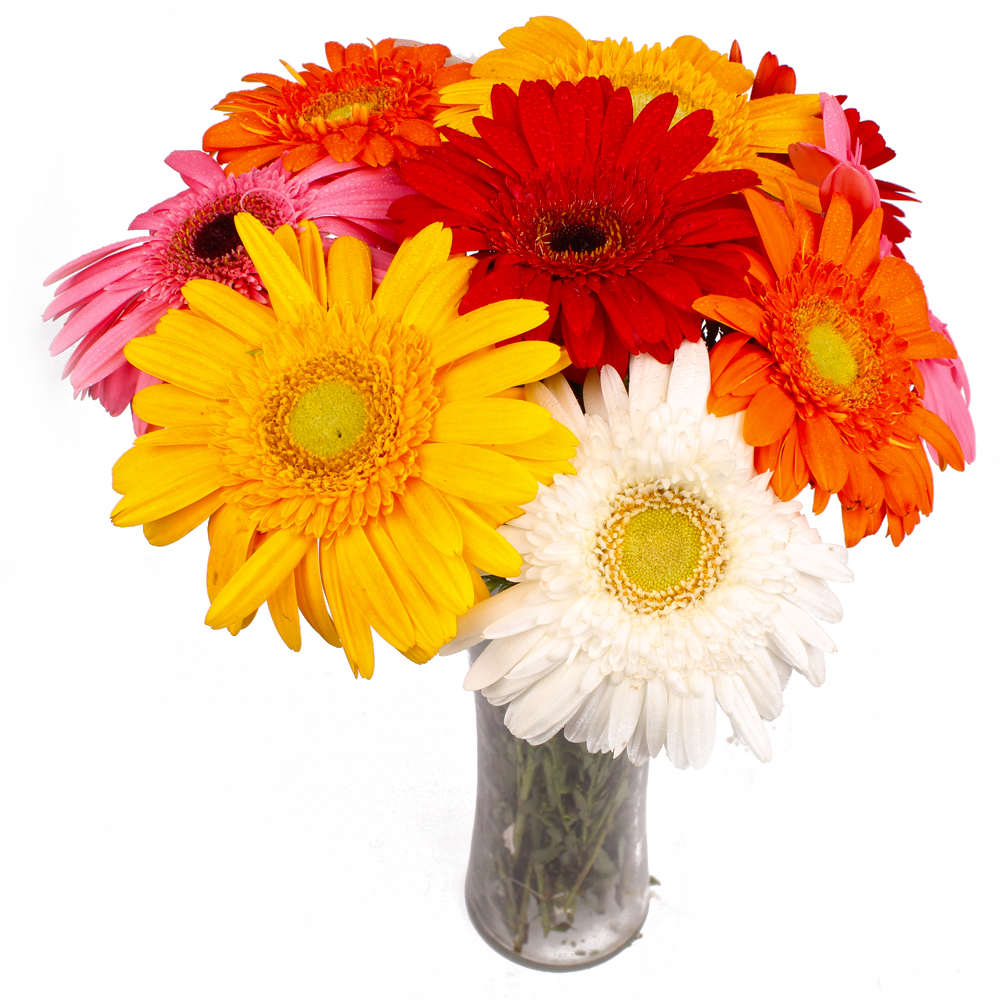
(337, 104)
(836, 356)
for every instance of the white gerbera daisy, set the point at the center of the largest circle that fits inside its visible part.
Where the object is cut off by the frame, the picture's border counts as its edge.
(664, 577)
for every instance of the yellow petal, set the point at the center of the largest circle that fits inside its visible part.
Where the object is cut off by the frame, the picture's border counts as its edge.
(258, 578)
(475, 473)
(284, 610)
(169, 406)
(163, 480)
(354, 631)
(165, 530)
(416, 258)
(493, 371)
(230, 533)
(350, 273)
(285, 237)
(250, 321)
(428, 632)
(372, 589)
(489, 421)
(432, 518)
(191, 434)
(435, 301)
(309, 594)
(289, 293)
(557, 443)
(487, 325)
(442, 576)
(313, 260)
(485, 547)
(190, 352)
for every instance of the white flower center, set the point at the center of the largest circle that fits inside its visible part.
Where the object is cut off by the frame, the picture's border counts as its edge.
(660, 548)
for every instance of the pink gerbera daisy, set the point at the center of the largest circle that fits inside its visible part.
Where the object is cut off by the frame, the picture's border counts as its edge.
(121, 291)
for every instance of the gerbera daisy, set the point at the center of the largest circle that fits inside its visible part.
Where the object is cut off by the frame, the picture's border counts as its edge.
(568, 200)
(375, 103)
(547, 48)
(663, 577)
(824, 363)
(362, 447)
(120, 291)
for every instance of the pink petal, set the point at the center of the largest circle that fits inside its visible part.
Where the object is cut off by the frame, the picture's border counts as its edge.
(197, 169)
(102, 358)
(857, 185)
(97, 282)
(836, 131)
(88, 258)
(346, 227)
(90, 316)
(115, 391)
(328, 166)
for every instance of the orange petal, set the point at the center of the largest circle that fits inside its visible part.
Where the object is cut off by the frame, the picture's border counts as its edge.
(749, 362)
(863, 486)
(775, 230)
(864, 251)
(824, 451)
(835, 240)
(724, 351)
(743, 314)
(768, 416)
(898, 289)
(938, 435)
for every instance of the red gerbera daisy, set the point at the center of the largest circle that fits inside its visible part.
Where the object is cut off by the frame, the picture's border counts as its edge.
(569, 201)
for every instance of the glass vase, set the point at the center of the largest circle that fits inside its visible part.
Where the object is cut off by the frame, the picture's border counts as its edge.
(558, 876)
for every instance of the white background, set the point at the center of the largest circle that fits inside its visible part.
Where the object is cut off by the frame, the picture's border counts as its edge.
(195, 816)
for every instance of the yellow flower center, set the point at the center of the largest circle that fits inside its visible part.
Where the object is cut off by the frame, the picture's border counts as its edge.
(835, 354)
(327, 419)
(337, 104)
(661, 548)
(831, 354)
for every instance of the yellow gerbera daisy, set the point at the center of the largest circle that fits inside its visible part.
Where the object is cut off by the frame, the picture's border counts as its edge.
(360, 447)
(547, 48)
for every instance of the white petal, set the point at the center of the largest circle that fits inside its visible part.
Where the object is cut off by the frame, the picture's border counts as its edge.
(828, 562)
(657, 695)
(815, 673)
(638, 750)
(549, 702)
(747, 723)
(579, 726)
(613, 390)
(690, 378)
(499, 657)
(536, 392)
(472, 623)
(699, 725)
(563, 392)
(593, 398)
(816, 597)
(785, 641)
(647, 383)
(764, 687)
(806, 626)
(626, 707)
(675, 731)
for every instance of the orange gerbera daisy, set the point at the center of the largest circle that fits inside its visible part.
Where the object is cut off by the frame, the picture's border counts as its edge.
(547, 48)
(823, 360)
(375, 103)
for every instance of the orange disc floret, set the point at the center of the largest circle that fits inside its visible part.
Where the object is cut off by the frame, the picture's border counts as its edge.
(823, 361)
(376, 104)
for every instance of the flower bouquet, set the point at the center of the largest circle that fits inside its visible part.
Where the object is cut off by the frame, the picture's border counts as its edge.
(530, 356)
